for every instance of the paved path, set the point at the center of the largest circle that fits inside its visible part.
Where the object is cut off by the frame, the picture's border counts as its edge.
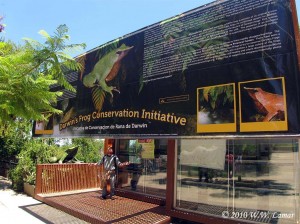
(18, 208)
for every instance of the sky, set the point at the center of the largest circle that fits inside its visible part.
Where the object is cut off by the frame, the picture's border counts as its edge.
(93, 22)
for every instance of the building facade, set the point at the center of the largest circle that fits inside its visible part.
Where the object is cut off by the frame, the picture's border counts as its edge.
(204, 105)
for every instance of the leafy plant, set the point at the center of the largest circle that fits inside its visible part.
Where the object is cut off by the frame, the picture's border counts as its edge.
(13, 139)
(51, 58)
(217, 96)
(34, 151)
(90, 150)
(28, 71)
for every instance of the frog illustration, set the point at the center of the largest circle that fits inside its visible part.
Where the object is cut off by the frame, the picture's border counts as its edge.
(106, 70)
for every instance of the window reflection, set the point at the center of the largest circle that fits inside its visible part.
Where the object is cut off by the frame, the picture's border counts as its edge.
(147, 170)
(256, 175)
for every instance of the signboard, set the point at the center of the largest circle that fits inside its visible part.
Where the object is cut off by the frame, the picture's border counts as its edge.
(147, 146)
(226, 68)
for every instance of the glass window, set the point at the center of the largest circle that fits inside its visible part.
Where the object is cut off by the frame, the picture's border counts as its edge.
(147, 171)
(255, 179)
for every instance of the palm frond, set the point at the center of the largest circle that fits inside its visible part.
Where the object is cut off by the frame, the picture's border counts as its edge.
(44, 34)
(72, 48)
(33, 43)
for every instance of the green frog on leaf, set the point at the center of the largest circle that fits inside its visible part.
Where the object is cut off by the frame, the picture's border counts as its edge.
(105, 70)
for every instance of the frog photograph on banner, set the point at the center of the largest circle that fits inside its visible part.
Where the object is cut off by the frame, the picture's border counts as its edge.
(106, 72)
(216, 109)
(263, 105)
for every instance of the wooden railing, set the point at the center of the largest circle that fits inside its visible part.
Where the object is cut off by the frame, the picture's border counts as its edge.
(55, 178)
(71, 178)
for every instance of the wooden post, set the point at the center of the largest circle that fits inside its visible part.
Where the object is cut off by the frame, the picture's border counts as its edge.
(38, 180)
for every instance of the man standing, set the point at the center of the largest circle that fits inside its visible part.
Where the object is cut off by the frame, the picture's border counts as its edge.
(111, 162)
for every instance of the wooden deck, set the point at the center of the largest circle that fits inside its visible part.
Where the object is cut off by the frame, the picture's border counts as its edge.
(88, 206)
(74, 189)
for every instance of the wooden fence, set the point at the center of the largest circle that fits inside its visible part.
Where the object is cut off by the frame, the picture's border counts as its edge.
(55, 178)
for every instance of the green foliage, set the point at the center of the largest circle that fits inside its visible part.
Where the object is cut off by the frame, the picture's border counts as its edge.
(22, 95)
(51, 58)
(18, 146)
(90, 150)
(17, 179)
(249, 149)
(217, 96)
(27, 72)
(34, 151)
(12, 141)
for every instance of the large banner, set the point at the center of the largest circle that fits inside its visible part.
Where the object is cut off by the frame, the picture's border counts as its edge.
(227, 68)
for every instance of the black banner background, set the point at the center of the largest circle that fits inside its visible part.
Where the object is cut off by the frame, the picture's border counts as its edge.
(188, 76)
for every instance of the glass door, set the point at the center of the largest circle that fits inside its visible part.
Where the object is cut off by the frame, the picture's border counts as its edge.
(147, 171)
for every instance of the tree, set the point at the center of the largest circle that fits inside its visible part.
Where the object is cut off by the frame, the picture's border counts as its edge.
(90, 150)
(26, 74)
(28, 71)
(13, 141)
